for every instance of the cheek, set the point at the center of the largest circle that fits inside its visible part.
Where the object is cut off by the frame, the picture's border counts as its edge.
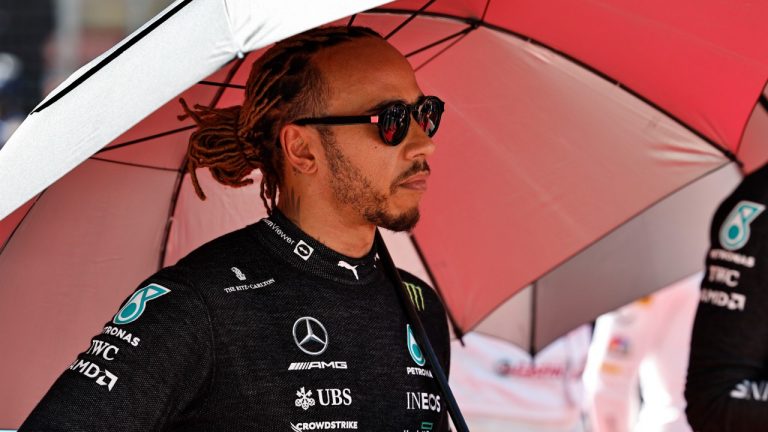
(375, 161)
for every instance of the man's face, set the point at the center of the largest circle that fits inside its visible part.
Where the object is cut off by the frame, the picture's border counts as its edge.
(380, 183)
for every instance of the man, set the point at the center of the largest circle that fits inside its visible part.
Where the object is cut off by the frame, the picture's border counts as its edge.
(290, 323)
(727, 385)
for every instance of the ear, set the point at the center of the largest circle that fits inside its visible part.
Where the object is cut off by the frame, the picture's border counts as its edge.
(295, 141)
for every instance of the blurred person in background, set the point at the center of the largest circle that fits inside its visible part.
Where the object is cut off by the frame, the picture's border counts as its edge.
(636, 369)
(24, 29)
(500, 387)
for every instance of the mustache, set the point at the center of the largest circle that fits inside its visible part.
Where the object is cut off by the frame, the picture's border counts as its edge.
(416, 168)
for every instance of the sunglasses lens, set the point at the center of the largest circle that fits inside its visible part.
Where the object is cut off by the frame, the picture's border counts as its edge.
(393, 124)
(429, 115)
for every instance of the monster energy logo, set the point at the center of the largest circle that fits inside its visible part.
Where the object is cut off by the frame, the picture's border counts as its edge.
(417, 297)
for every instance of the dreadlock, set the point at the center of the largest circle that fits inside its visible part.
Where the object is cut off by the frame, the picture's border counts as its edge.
(283, 86)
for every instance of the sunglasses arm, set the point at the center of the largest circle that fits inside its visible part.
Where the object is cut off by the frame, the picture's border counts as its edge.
(338, 120)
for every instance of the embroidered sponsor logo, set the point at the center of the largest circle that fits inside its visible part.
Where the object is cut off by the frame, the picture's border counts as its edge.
(310, 335)
(724, 275)
(732, 257)
(350, 267)
(317, 365)
(303, 250)
(279, 232)
(325, 397)
(732, 301)
(751, 390)
(424, 427)
(247, 287)
(509, 368)
(324, 425)
(103, 377)
(334, 397)
(138, 303)
(419, 371)
(238, 273)
(423, 401)
(103, 349)
(305, 399)
(619, 346)
(735, 231)
(121, 334)
(413, 347)
(416, 295)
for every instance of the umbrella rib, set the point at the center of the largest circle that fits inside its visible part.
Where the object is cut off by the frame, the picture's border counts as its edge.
(180, 178)
(439, 53)
(23, 218)
(462, 32)
(115, 54)
(764, 102)
(727, 153)
(132, 164)
(218, 84)
(230, 75)
(147, 138)
(351, 20)
(408, 20)
(485, 10)
(456, 328)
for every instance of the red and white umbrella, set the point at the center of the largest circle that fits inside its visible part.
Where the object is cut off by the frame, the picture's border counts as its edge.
(584, 148)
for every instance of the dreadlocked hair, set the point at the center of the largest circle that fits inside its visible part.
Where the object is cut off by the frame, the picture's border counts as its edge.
(283, 86)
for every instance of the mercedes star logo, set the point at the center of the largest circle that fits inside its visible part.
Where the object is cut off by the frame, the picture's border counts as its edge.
(310, 335)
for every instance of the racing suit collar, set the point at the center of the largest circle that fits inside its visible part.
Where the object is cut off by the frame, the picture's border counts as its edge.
(293, 245)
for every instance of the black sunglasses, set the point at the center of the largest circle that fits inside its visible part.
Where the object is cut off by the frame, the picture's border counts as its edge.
(393, 120)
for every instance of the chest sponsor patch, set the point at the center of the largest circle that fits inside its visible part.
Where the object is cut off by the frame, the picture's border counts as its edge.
(93, 371)
(138, 303)
(731, 301)
(423, 401)
(751, 390)
(305, 399)
(246, 287)
(325, 425)
(413, 347)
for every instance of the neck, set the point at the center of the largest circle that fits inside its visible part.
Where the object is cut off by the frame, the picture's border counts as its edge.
(339, 229)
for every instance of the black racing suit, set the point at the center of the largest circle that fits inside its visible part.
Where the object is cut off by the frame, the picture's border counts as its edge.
(263, 329)
(727, 385)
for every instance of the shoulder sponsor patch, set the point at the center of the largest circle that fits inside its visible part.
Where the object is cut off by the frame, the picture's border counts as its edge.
(416, 295)
(735, 231)
(138, 303)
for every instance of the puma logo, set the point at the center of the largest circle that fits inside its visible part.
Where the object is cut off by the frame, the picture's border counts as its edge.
(349, 267)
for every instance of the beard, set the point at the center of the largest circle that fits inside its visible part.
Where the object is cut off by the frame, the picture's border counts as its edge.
(352, 188)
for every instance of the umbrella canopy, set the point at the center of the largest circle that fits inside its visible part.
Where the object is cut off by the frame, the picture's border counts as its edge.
(578, 154)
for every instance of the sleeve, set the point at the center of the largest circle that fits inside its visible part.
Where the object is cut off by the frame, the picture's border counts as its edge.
(727, 384)
(148, 365)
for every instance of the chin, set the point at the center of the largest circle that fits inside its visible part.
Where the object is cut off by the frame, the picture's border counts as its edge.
(403, 221)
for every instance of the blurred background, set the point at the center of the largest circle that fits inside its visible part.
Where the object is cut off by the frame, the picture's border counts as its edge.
(42, 42)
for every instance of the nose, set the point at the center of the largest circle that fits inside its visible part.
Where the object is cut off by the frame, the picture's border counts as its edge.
(417, 143)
